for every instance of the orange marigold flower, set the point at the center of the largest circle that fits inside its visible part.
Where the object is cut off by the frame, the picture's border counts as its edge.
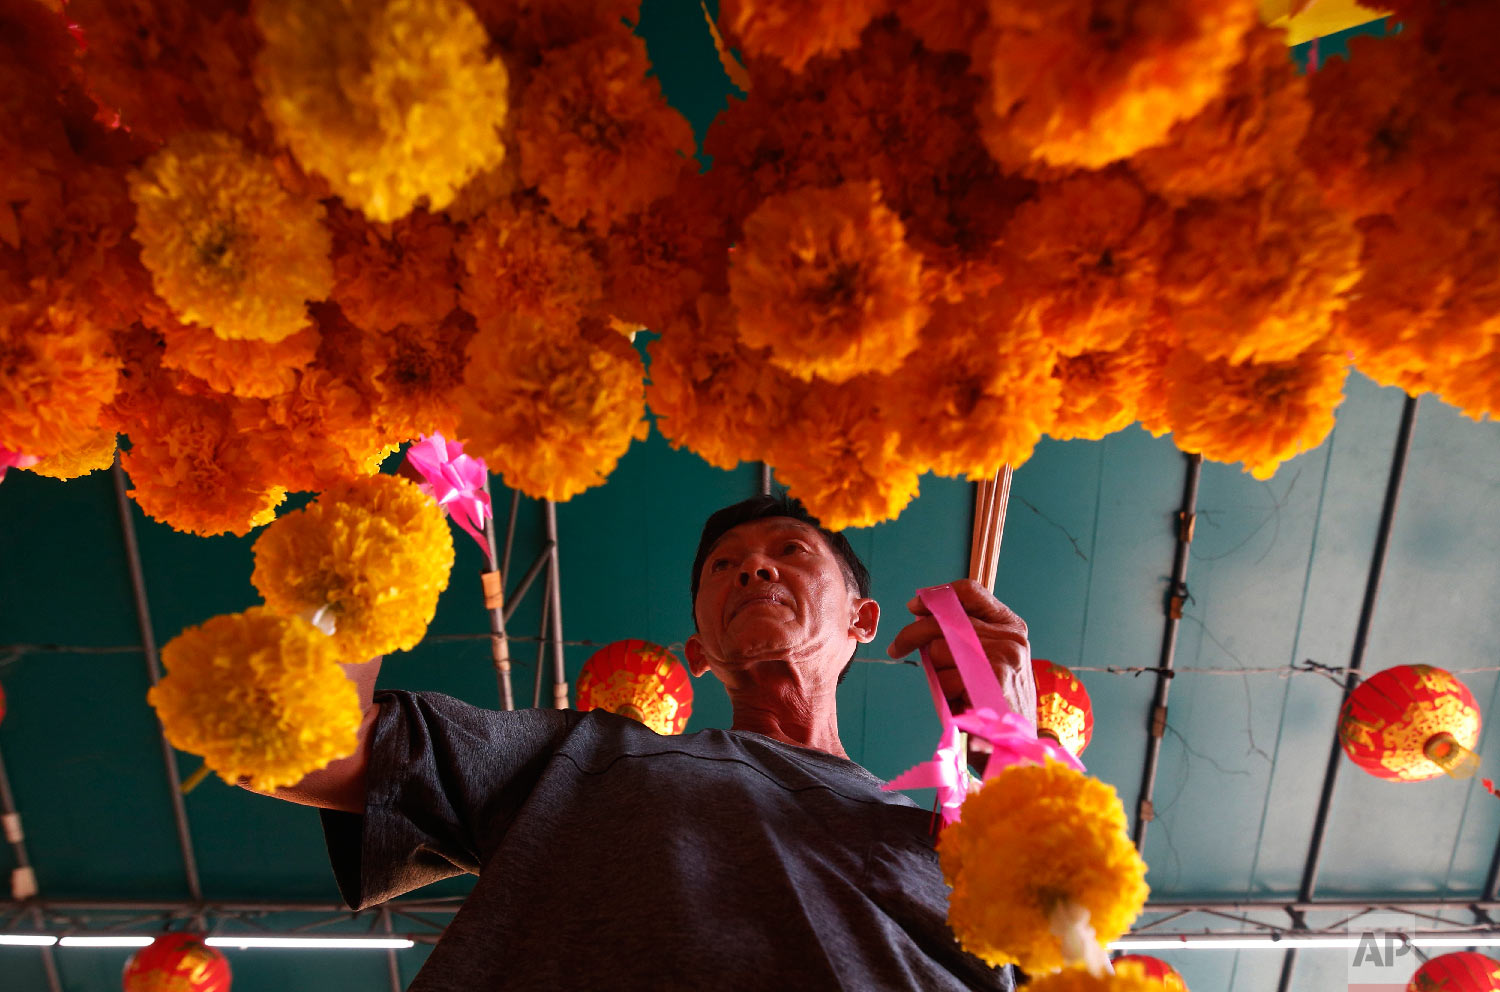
(411, 373)
(844, 461)
(979, 393)
(552, 409)
(519, 262)
(1259, 277)
(1088, 82)
(943, 25)
(193, 470)
(1101, 390)
(1244, 138)
(227, 246)
(1259, 413)
(794, 31)
(255, 369)
(404, 272)
(1473, 386)
(826, 280)
(597, 139)
(57, 371)
(711, 393)
(314, 436)
(172, 66)
(1090, 248)
(527, 30)
(93, 454)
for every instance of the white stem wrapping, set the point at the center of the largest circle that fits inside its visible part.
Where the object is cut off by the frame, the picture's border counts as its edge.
(321, 618)
(1070, 924)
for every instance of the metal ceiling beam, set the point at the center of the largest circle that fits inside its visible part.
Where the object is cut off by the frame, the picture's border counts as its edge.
(1356, 662)
(153, 669)
(1156, 723)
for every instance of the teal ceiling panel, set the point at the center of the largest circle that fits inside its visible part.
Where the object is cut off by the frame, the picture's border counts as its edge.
(23, 969)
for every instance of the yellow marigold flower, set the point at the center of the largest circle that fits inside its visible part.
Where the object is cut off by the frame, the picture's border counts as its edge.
(227, 247)
(795, 31)
(389, 274)
(1261, 277)
(256, 369)
(519, 262)
(1257, 413)
(1031, 840)
(392, 101)
(826, 280)
(1079, 83)
(844, 462)
(193, 470)
(1101, 390)
(96, 453)
(980, 392)
(552, 409)
(597, 139)
(1244, 138)
(57, 370)
(712, 394)
(376, 553)
(1127, 979)
(258, 696)
(1090, 249)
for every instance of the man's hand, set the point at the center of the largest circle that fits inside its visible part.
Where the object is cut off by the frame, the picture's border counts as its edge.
(1002, 634)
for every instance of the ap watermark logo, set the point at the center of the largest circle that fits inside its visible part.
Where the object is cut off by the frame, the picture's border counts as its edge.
(1382, 959)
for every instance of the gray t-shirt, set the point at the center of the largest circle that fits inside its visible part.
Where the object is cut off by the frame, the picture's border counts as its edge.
(610, 857)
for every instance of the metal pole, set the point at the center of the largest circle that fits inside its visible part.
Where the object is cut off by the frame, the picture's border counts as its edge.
(392, 965)
(510, 530)
(543, 558)
(494, 604)
(1356, 658)
(541, 644)
(153, 669)
(1156, 726)
(23, 876)
(765, 479)
(554, 590)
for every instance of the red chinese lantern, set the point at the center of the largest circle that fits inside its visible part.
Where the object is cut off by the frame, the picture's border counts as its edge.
(1063, 710)
(177, 962)
(1145, 966)
(641, 680)
(1411, 723)
(1465, 971)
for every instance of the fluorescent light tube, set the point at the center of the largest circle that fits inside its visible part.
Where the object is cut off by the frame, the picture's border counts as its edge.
(80, 941)
(27, 940)
(245, 943)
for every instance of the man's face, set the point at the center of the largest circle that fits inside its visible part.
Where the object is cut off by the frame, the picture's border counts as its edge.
(773, 589)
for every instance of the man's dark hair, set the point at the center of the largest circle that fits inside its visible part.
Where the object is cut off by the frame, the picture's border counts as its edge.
(777, 505)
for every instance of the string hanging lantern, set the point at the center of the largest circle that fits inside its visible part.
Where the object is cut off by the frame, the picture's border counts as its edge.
(177, 962)
(1464, 971)
(1155, 969)
(1064, 711)
(1411, 723)
(641, 680)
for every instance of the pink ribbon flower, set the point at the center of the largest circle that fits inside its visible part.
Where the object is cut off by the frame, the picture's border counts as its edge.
(947, 772)
(14, 459)
(456, 481)
(1015, 741)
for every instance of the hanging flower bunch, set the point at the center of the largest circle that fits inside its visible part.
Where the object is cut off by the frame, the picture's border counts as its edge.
(371, 557)
(259, 696)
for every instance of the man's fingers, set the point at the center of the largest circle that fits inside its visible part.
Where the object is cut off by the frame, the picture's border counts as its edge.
(978, 602)
(914, 636)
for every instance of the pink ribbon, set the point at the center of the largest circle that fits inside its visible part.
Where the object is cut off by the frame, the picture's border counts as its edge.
(14, 459)
(456, 481)
(1013, 737)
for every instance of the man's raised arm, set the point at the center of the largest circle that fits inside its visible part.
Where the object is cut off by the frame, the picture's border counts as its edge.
(341, 785)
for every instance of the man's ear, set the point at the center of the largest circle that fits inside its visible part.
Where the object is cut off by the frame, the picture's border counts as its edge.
(866, 620)
(697, 658)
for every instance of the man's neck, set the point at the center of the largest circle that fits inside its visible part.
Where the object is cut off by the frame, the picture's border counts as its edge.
(801, 720)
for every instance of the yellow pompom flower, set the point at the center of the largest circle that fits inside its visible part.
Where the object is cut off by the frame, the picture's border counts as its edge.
(374, 553)
(95, 453)
(259, 696)
(1128, 979)
(553, 410)
(1033, 841)
(1259, 413)
(391, 101)
(226, 245)
(826, 280)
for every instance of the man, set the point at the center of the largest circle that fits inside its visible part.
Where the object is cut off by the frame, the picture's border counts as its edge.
(613, 858)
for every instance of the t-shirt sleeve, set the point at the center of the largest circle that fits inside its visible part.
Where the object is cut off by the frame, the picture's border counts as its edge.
(444, 781)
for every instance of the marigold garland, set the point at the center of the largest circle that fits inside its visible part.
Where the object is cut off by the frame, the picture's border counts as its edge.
(826, 281)
(1079, 980)
(1258, 413)
(1077, 83)
(794, 31)
(394, 102)
(552, 409)
(97, 452)
(1033, 839)
(375, 553)
(597, 140)
(227, 247)
(259, 696)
